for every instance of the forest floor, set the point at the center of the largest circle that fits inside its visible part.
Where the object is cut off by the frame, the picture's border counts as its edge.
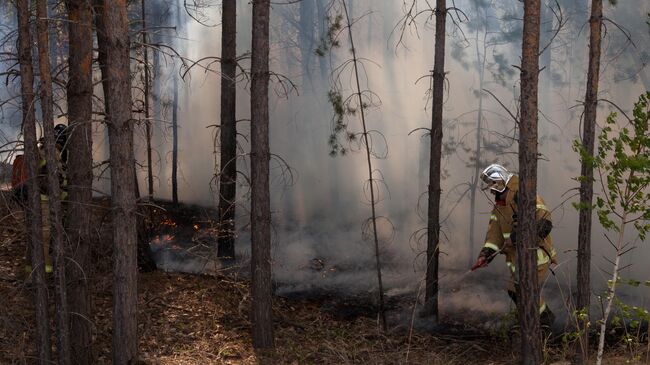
(200, 319)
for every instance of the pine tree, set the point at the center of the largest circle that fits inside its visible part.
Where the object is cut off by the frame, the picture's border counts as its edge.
(587, 175)
(113, 43)
(228, 131)
(54, 175)
(528, 288)
(33, 217)
(435, 161)
(261, 291)
(80, 175)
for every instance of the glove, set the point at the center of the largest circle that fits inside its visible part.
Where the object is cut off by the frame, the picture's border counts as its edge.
(480, 262)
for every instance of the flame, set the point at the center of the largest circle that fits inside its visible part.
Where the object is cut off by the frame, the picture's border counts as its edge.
(169, 222)
(162, 239)
(196, 226)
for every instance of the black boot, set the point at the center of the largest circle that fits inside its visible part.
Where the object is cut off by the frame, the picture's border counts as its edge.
(513, 296)
(547, 318)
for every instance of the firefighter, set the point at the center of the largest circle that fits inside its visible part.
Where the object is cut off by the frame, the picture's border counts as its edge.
(501, 237)
(61, 158)
(61, 136)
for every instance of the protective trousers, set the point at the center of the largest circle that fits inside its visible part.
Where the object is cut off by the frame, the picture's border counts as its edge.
(45, 234)
(546, 315)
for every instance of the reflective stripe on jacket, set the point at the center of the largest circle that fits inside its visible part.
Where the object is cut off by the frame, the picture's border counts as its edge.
(42, 175)
(501, 226)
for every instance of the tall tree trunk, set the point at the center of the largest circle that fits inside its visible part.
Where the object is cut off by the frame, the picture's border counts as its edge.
(179, 31)
(373, 202)
(33, 219)
(156, 92)
(147, 81)
(114, 27)
(53, 165)
(480, 61)
(433, 221)
(261, 291)
(80, 97)
(175, 141)
(587, 173)
(228, 131)
(528, 290)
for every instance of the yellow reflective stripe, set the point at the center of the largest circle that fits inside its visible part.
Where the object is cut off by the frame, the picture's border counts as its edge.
(506, 235)
(491, 245)
(511, 266)
(542, 257)
(542, 206)
(48, 268)
(493, 217)
(542, 307)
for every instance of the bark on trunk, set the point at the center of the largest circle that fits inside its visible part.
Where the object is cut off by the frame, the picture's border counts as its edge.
(156, 92)
(587, 173)
(175, 141)
(33, 219)
(80, 94)
(433, 221)
(179, 31)
(228, 131)
(261, 291)
(114, 28)
(528, 289)
(53, 165)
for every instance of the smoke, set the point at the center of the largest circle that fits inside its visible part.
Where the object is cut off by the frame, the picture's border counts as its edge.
(10, 115)
(320, 209)
(321, 215)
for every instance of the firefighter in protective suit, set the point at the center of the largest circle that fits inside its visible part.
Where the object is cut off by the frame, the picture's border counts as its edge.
(20, 189)
(501, 237)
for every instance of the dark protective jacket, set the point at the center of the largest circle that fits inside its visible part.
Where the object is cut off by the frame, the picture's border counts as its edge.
(502, 226)
(42, 174)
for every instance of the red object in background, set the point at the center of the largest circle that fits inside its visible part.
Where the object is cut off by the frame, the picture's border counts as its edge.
(18, 172)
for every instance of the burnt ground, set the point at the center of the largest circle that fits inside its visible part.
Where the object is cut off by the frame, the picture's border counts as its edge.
(201, 319)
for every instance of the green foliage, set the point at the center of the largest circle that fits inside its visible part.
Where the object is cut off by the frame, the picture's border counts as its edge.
(623, 164)
(623, 161)
(329, 40)
(342, 108)
(342, 138)
(629, 322)
(572, 337)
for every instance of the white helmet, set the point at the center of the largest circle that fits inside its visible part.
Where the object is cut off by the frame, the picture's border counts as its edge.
(496, 178)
